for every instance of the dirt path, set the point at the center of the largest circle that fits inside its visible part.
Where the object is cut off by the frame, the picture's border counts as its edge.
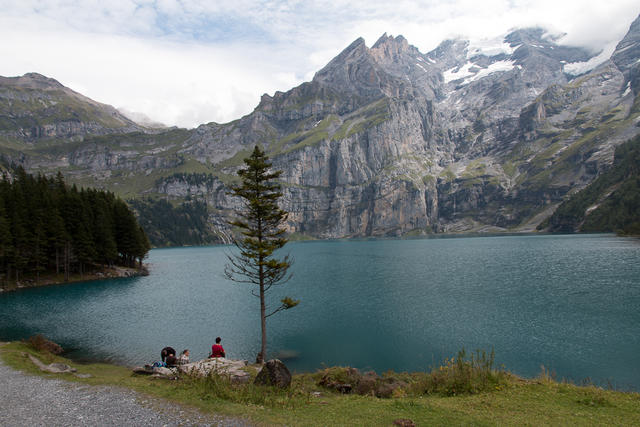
(29, 400)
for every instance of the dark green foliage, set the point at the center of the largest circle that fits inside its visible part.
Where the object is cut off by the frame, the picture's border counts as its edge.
(619, 213)
(259, 223)
(46, 226)
(462, 375)
(616, 194)
(166, 225)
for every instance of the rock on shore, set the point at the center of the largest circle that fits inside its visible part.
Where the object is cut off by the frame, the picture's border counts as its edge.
(234, 369)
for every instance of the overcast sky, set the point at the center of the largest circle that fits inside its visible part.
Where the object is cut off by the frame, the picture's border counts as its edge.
(187, 62)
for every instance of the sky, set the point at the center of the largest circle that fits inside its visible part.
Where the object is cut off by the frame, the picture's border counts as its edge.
(188, 62)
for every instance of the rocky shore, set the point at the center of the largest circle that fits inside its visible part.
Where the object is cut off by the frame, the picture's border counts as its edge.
(114, 272)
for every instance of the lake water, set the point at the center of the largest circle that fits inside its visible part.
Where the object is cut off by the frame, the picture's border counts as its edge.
(570, 303)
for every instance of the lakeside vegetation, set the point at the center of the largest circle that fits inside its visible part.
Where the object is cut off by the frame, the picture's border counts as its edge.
(49, 229)
(506, 400)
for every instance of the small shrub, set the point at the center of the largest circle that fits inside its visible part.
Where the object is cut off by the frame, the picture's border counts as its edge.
(40, 344)
(462, 375)
(350, 380)
(337, 375)
(545, 376)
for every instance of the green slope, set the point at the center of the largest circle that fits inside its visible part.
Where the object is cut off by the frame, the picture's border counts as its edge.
(609, 204)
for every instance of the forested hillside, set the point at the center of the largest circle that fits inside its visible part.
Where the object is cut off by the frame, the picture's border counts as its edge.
(47, 226)
(185, 224)
(610, 203)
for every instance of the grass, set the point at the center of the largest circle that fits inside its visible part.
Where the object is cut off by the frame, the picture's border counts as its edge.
(508, 401)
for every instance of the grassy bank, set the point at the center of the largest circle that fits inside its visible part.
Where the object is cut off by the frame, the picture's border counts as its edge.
(500, 398)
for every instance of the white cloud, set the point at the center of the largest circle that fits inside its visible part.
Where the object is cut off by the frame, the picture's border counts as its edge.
(187, 62)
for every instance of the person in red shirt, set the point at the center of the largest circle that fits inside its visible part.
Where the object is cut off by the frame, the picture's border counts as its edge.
(217, 350)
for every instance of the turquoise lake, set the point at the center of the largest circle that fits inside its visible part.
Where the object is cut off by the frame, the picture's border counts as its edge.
(570, 303)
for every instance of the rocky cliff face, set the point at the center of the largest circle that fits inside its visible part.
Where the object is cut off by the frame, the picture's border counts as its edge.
(388, 141)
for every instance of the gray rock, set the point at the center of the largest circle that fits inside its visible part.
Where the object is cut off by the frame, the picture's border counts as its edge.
(235, 370)
(143, 370)
(54, 368)
(59, 368)
(274, 373)
(162, 371)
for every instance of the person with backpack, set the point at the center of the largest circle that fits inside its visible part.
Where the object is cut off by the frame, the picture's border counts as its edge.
(166, 352)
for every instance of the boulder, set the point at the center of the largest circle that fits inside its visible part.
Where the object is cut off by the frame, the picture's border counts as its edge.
(143, 370)
(234, 369)
(274, 373)
(59, 368)
(54, 368)
(165, 372)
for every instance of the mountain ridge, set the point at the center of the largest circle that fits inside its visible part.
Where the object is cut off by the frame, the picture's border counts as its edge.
(388, 141)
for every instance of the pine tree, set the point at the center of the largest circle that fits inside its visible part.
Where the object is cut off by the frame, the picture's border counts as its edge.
(6, 243)
(259, 224)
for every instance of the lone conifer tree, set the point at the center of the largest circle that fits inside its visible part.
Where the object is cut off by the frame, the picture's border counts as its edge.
(259, 223)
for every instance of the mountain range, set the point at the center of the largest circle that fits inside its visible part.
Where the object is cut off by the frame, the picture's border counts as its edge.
(383, 141)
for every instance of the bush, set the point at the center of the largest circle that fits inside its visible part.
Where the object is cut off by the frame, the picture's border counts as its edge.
(347, 380)
(329, 377)
(43, 345)
(462, 375)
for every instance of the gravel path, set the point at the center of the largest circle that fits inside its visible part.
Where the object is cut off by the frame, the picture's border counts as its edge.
(37, 401)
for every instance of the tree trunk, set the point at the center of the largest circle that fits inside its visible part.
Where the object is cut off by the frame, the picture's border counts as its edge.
(263, 318)
(37, 261)
(67, 262)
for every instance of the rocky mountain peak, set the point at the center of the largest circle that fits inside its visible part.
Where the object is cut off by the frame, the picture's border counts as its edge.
(354, 52)
(353, 72)
(449, 53)
(390, 44)
(35, 107)
(534, 36)
(32, 81)
(394, 50)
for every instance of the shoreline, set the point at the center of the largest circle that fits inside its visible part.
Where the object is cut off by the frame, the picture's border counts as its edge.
(108, 273)
(333, 396)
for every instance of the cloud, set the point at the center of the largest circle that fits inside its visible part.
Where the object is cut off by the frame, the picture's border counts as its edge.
(187, 62)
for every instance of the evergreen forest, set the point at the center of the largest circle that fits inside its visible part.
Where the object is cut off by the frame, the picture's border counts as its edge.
(185, 224)
(47, 227)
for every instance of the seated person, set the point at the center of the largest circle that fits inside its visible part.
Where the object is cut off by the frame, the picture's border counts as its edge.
(171, 361)
(184, 357)
(167, 351)
(217, 350)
